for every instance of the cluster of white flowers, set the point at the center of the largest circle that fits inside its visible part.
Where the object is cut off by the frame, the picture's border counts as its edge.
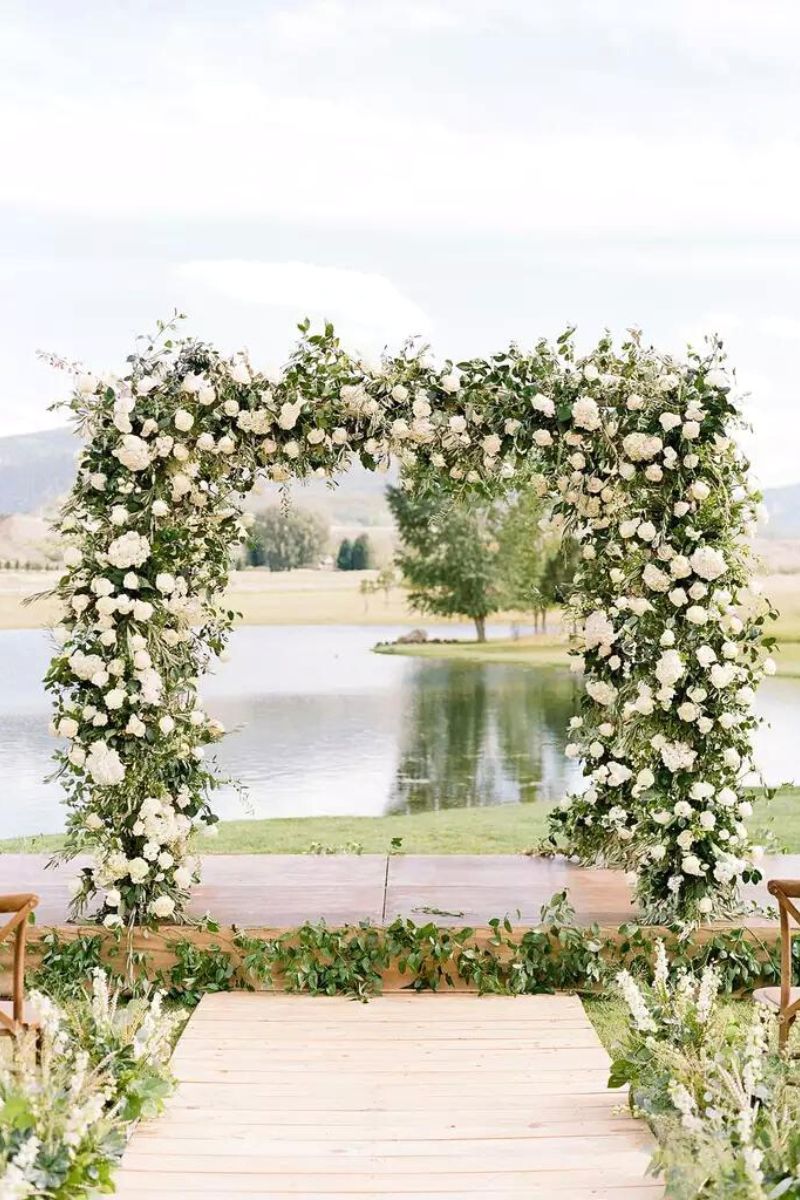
(634, 450)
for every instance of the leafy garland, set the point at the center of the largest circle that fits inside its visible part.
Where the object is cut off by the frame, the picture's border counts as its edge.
(353, 960)
(635, 450)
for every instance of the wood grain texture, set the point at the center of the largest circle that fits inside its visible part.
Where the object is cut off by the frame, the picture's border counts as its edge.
(440, 1096)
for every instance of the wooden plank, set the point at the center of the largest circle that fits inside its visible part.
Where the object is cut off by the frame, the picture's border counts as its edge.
(414, 1095)
(579, 1185)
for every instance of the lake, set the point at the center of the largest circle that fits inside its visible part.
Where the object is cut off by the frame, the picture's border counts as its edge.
(321, 726)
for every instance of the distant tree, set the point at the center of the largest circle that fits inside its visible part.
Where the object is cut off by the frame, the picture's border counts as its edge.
(384, 581)
(283, 539)
(344, 559)
(448, 555)
(522, 557)
(361, 556)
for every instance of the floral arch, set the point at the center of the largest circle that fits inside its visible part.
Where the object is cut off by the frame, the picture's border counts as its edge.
(634, 448)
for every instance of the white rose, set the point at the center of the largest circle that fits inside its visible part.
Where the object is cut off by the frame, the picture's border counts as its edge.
(585, 413)
(162, 906)
(142, 610)
(450, 383)
(115, 698)
(67, 727)
(542, 437)
(699, 490)
(165, 582)
(160, 508)
(544, 405)
(133, 452)
(708, 563)
(287, 418)
(669, 420)
(166, 724)
(138, 869)
(183, 420)
(135, 727)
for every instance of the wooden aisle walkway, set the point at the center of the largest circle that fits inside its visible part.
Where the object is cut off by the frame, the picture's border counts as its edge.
(430, 1095)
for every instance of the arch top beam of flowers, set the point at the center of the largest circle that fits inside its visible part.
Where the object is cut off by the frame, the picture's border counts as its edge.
(635, 450)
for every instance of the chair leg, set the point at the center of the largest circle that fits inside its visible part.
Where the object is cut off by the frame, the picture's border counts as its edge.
(784, 1026)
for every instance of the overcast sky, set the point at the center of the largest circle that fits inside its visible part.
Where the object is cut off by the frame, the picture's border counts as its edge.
(472, 171)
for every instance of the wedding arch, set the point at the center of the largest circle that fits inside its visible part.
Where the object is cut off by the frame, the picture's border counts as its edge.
(635, 451)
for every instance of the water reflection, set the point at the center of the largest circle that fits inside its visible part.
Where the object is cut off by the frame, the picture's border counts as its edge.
(475, 735)
(321, 726)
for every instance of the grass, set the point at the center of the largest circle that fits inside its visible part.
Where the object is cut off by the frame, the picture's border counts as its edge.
(609, 1015)
(537, 651)
(302, 597)
(503, 829)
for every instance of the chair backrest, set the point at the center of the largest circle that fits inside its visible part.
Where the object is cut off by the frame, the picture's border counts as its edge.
(785, 891)
(20, 907)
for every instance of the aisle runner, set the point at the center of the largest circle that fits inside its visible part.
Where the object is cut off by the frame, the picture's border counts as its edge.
(410, 1095)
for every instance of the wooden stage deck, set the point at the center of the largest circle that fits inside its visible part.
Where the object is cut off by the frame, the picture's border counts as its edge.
(282, 891)
(408, 1096)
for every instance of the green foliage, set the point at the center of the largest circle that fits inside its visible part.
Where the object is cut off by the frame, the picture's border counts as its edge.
(283, 538)
(65, 965)
(197, 970)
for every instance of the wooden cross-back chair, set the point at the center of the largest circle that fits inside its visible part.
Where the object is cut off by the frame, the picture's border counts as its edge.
(13, 1017)
(784, 1000)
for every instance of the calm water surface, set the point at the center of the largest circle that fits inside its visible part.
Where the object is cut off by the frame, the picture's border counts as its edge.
(321, 726)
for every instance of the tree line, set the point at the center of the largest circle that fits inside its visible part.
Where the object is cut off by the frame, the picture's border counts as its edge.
(458, 557)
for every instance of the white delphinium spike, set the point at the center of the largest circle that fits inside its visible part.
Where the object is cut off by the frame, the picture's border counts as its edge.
(661, 970)
(707, 994)
(683, 1100)
(637, 1005)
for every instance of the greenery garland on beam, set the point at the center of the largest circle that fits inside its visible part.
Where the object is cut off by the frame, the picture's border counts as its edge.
(636, 451)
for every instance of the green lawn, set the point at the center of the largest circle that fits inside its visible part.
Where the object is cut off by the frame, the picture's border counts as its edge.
(506, 829)
(545, 651)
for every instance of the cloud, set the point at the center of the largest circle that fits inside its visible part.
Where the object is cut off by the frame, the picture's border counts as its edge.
(350, 298)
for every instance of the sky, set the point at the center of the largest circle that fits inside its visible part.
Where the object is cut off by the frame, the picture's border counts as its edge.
(472, 171)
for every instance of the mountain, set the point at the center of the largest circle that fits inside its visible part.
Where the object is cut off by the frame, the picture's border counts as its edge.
(36, 469)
